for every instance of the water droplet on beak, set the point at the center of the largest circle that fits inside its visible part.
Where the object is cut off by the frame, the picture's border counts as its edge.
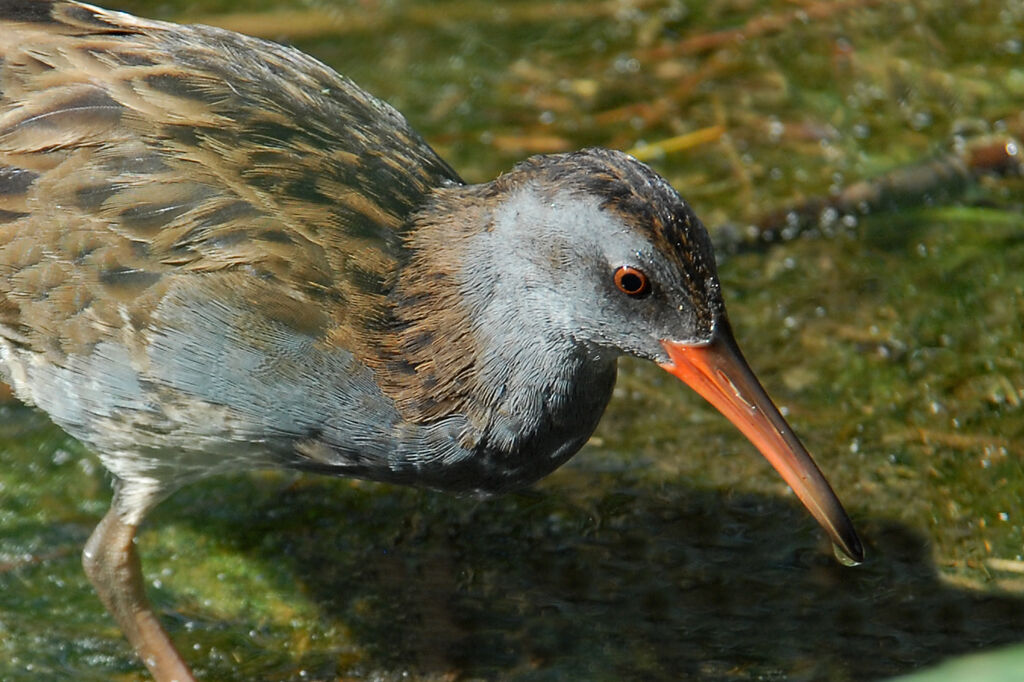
(844, 558)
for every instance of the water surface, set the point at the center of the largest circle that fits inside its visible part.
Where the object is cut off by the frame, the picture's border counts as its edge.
(667, 549)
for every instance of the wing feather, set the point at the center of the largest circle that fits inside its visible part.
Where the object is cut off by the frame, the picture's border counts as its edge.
(136, 153)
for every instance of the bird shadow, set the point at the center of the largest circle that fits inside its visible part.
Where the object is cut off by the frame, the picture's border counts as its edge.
(601, 580)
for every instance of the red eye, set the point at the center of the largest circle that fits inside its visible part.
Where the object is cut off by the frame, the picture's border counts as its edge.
(631, 281)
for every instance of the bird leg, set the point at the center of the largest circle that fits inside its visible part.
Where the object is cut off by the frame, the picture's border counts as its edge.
(113, 567)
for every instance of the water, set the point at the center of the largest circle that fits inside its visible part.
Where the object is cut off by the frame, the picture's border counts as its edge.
(668, 549)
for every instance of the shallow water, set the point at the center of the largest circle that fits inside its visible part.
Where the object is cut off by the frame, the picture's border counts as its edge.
(667, 549)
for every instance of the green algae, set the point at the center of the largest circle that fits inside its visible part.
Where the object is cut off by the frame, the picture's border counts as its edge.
(667, 549)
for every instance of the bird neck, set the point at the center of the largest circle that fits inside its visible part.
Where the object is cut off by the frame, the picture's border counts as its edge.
(464, 338)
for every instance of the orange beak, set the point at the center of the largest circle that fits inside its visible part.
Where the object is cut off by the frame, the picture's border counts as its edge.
(718, 372)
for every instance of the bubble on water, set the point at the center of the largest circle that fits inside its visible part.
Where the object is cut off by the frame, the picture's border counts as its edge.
(921, 120)
(829, 216)
(626, 64)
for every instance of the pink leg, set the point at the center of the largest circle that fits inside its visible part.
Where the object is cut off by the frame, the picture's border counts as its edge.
(113, 567)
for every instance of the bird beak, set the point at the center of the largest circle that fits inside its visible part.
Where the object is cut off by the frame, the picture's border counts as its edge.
(719, 373)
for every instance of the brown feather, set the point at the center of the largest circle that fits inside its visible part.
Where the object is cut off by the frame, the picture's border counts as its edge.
(141, 153)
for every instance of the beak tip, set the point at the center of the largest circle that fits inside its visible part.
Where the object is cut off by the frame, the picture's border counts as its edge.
(847, 559)
(717, 371)
(848, 550)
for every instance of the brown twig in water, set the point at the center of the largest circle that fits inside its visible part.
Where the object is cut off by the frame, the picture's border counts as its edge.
(944, 177)
(755, 28)
(677, 143)
(656, 110)
(327, 18)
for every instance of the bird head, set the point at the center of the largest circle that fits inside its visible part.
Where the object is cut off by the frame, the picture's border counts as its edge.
(603, 249)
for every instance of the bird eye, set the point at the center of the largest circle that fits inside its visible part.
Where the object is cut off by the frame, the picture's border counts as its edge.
(631, 281)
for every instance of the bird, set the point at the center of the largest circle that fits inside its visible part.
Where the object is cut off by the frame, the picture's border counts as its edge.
(217, 255)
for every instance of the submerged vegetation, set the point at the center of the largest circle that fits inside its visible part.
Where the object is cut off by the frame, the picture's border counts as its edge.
(891, 331)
